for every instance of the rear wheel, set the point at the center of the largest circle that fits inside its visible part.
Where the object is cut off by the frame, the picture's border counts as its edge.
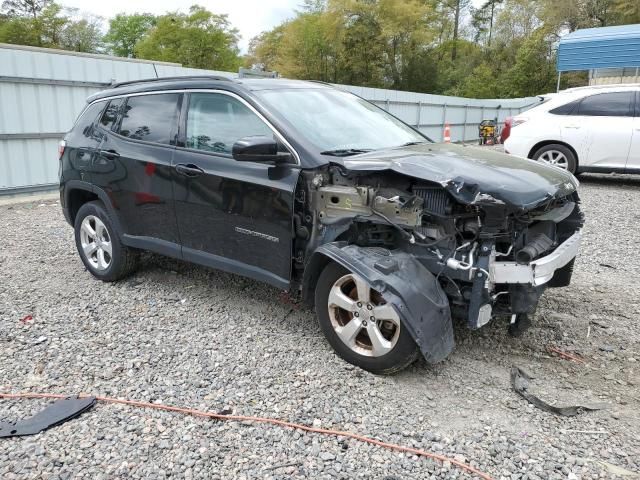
(360, 325)
(557, 155)
(99, 246)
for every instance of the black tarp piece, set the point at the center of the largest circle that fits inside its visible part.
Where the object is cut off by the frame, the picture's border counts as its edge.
(520, 383)
(58, 412)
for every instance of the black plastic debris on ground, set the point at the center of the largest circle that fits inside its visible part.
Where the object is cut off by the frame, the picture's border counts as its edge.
(58, 412)
(520, 383)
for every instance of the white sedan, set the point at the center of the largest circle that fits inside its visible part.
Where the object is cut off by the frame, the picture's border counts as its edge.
(587, 129)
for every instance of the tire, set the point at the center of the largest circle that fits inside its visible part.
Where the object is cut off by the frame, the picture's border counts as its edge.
(522, 324)
(99, 246)
(394, 350)
(558, 155)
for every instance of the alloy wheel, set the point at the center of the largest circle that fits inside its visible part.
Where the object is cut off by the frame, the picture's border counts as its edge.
(96, 242)
(555, 157)
(361, 318)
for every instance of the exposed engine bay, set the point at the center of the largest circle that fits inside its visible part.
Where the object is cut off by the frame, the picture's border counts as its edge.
(488, 257)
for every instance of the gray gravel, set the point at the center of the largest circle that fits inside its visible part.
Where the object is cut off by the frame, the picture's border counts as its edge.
(188, 336)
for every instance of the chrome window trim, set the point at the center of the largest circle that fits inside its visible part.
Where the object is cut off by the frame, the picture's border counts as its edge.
(205, 90)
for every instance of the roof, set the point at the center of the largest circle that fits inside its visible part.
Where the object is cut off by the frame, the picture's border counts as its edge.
(202, 82)
(606, 47)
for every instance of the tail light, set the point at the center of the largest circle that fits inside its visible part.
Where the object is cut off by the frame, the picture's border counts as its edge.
(506, 130)
(61, 147)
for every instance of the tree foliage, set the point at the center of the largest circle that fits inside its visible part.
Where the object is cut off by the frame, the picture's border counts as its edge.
(125, 31)
(492, 48)
(199, 39)
(500, 48)
(44, 23)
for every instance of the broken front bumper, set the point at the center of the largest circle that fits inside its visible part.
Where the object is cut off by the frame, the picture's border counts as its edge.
(539, 271)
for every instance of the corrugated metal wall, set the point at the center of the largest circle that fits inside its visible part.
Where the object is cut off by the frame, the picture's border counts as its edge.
(605, 47)
(42, 91)
(614, 76)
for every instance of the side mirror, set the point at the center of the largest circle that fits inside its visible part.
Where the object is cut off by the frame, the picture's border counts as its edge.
(259, 148)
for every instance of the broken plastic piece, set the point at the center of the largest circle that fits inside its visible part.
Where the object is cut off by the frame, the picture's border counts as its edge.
(55, 414)
(520, 383)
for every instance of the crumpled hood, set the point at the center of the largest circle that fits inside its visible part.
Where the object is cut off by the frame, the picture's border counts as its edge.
(473, 175)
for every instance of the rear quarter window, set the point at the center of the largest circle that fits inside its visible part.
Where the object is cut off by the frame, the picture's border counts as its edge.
(87, 119)
(110, 115)
(566, 109)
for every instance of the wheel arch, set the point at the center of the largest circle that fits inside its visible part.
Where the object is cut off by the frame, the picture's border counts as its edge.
(77, 193)
(544, 143)
(413, 290)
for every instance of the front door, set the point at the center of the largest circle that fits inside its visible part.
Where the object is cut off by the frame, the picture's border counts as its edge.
(236, 216)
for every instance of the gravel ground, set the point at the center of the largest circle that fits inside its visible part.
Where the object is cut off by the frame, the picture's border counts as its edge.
(188, 336)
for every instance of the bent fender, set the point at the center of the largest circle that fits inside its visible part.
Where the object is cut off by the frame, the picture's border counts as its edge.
(406, 284)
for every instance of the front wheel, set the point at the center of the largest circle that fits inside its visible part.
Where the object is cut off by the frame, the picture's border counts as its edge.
(360, 325)
(557, 155)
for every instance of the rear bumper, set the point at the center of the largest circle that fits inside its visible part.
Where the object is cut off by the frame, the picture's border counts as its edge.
(517, 146)
(539, 271)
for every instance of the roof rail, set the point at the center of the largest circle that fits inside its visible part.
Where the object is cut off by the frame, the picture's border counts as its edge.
(602, 86)
(162, 79)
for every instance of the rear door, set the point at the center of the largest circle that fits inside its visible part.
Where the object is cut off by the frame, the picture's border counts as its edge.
(633, 162)
(236, 216)
(605, 122)
(133, 166)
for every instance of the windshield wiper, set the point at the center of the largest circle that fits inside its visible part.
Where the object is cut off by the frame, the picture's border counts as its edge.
(413, 143)
(345, 152)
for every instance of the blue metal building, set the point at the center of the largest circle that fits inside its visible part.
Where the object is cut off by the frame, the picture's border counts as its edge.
(610, 54)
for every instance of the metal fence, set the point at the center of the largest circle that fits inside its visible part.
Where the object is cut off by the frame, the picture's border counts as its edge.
(43, 90)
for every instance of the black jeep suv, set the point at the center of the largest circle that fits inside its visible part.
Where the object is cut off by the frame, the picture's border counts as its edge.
(316, 191)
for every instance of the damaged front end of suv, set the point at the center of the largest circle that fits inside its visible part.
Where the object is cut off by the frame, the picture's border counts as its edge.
(440, 232)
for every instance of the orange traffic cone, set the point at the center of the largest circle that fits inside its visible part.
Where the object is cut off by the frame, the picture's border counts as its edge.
(447, 133)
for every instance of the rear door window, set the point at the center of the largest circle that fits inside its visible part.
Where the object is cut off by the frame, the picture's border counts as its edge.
(616, 104)
(152, 118)
(215, 121)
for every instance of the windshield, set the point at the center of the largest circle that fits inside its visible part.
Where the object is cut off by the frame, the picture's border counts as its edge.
(338, 122)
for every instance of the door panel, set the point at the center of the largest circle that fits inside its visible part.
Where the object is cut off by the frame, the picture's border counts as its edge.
(576, 133)
(633, 162)
(241, 211)
(138, 179)
(609, 142)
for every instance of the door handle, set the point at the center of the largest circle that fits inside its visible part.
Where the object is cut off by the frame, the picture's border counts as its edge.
(189, 170)
(572, 126)
(110, 154)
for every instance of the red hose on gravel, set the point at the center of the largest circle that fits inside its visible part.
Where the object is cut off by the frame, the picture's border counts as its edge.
(272, 421)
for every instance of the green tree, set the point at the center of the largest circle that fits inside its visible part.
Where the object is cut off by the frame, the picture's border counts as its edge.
(534, 71)
(25, 8)
(199, 39)
(83, 35)
(481, 83)
(50, 25)
(125, 31)
(628, 11)
(18, 31)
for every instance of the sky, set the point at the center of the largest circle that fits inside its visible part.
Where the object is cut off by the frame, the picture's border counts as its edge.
(250, 17)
